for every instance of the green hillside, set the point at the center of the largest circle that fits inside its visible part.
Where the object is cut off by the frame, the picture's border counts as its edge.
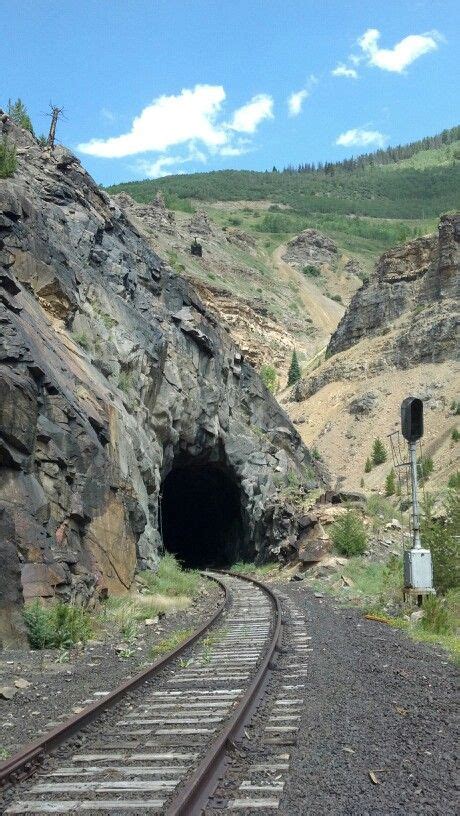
(365, 204)
(417, 187)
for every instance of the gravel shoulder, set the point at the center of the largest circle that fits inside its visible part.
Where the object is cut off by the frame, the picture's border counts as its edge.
(58, 690)
(375, 703)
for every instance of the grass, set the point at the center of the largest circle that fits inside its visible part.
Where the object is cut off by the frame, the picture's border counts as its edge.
(170, 579)
(58, 626)
(169, 589)
(249, 568)
(169, 643)
(376, 587)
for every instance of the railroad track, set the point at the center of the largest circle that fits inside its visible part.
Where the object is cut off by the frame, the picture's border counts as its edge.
(159, 743)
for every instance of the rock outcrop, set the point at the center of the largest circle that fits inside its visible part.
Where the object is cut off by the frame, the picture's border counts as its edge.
(407, 314)
(154, 216)
(311, 247)
(111, 369)
(418, 276)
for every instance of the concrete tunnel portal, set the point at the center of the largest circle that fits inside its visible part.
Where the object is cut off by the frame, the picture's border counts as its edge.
(202, 519)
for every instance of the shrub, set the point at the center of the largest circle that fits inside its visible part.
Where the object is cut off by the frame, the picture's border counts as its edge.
(436, 617)
(368, 465)
(441, 536)
(82, 339)
(455, 407)
(379, 454)
(316, 454)
(390, 483)
(424, 468)
(125, 379)
(56, 627)
(312, 271)
(455, 435)
(268, 377)
(348, 534)
(337, 298)
(294, 373)
(454, 481)
(8, 161)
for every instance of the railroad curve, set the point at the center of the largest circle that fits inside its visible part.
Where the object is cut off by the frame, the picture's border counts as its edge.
(160, 747)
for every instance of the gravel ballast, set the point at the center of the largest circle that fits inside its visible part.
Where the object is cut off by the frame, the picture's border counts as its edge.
(58, 688)
(377, 736)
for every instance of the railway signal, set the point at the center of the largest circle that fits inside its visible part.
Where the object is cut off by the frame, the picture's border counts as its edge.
(418, 568)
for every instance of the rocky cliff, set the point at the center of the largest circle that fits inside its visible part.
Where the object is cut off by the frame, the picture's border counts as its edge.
(418, 278)
(111, 373)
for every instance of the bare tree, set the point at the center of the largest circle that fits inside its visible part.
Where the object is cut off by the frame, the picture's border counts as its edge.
(55, 114)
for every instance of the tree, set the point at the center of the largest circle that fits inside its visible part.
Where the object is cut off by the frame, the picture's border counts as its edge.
(294, 372)
(424, 468)
(379, 454)
(390, 483)
(441, 536)
(348, 534)
(368, 465)
(18, 114)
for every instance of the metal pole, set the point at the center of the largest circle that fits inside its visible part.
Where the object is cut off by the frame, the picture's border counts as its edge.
(415, 507)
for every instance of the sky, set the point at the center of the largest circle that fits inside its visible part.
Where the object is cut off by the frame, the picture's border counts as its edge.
(157, 87)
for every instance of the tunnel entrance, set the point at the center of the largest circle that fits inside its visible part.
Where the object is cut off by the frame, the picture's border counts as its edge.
(201, 514)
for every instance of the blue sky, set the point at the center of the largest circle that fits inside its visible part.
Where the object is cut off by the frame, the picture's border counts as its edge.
(152, 87)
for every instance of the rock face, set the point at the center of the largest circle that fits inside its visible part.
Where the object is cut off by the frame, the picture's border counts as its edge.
(112, 373)
(154, 215)
(407, 314)
(311, 247)
(419, 275)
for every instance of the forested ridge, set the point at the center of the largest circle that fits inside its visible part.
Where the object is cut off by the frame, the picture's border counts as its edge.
(414, 181)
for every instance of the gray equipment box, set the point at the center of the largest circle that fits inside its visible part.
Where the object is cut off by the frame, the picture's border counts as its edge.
(418, 569)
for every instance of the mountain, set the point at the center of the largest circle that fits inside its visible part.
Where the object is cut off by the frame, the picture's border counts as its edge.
(117, 385)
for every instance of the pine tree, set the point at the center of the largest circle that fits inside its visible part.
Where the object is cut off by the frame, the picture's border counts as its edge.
(390, 483)
(368, 465)
(379, 454)
(294, 372)
(17, 112)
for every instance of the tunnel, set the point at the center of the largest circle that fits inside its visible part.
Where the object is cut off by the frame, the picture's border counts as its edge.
(201, 515)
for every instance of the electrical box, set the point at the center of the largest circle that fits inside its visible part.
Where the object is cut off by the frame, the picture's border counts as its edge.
(412, 419)
(418, 569)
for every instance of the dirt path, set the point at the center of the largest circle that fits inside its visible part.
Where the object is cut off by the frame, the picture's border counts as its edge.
(324, 312)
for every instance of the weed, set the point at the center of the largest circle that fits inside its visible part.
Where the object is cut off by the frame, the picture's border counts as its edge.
(436, 616)
(125, 381)
(82, 339)
(170, 579)
(171, 642)
(58, 626)
(424, 468)
(4, 753)
(455, 435)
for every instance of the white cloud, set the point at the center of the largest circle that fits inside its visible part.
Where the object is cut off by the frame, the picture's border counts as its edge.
(193, 119)
(247, 118)
(402, 54)
(296, 101)
(357, 137)
(343, 71)
(168, 121)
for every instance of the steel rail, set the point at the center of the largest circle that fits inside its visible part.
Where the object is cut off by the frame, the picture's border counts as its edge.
(192, 796)
(26, 762)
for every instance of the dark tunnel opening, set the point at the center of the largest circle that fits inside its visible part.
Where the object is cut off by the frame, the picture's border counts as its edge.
(201, 516)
